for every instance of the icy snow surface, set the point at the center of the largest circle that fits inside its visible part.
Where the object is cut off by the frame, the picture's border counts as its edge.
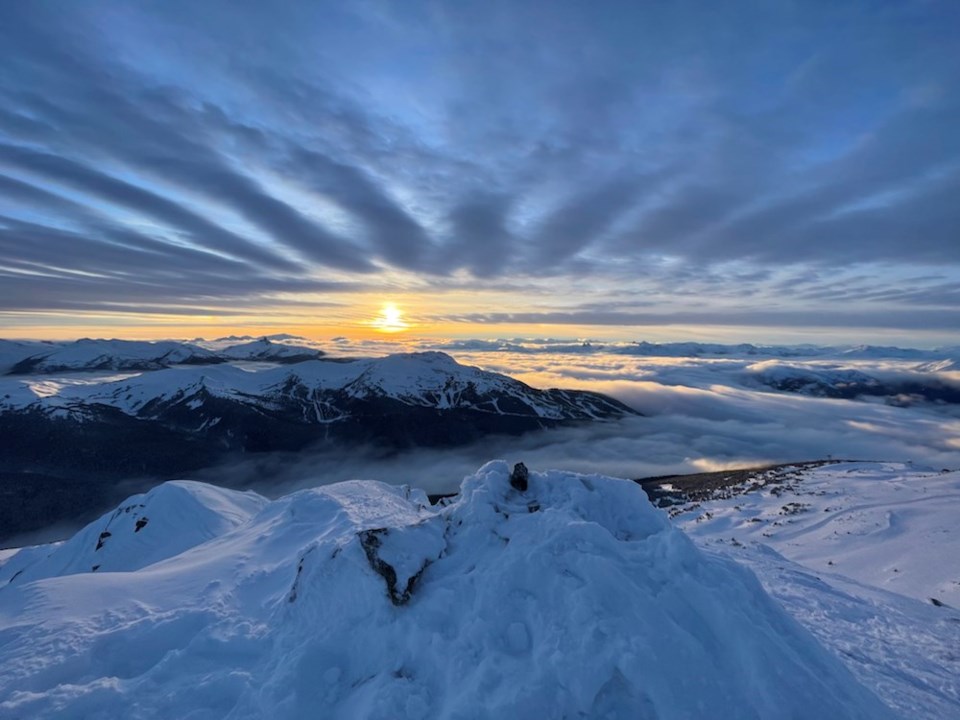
(573, 599)
(857, 552)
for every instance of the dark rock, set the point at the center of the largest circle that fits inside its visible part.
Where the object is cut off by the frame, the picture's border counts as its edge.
(141, 524)
(519, 477)
(370, 541)
(103, 536)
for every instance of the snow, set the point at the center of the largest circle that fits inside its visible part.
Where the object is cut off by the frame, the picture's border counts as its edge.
(266, 349)
(856, 552)
(87, 354)
(14, 351)
(147, 528)
(575, 598)
(23, 357)
(428, 379)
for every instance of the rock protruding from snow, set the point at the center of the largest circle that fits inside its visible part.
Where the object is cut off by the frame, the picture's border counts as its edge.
(575, 598)
(519, 477)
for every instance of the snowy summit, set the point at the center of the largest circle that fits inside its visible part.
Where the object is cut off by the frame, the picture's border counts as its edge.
(562, 596)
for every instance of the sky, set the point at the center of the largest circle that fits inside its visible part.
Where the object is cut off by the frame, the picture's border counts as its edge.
(760, 170)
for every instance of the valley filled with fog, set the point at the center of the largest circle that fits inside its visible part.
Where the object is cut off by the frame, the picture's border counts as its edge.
(711, 411)
(699, 407)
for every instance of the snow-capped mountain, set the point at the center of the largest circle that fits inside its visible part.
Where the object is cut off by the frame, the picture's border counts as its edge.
(855, 352)
(265, 350)
(15, 351)
(173, 419)
(693, 349)
(564, 596)
(119, 355)
(927, 382)
(34, 358)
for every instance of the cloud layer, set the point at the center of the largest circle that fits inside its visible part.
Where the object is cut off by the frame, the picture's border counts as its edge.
(219, 158)
(700, 414)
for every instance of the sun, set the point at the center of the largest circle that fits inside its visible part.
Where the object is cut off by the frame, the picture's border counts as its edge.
(390, 319)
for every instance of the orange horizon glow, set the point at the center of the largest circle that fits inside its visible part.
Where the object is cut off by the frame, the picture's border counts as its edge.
(404, 318)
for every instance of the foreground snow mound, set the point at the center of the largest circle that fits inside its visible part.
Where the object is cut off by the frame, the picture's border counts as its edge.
(147, 528)
(572, 598)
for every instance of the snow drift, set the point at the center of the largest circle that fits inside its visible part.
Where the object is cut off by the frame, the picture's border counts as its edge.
(572, 598)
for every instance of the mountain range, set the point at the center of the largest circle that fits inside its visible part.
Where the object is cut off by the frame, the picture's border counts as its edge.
(89, 430)
(18, 357)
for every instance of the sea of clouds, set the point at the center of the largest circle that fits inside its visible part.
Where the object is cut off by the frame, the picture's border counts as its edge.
(699, 413)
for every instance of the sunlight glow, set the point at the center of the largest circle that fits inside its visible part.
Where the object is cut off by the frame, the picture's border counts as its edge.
(390, 319)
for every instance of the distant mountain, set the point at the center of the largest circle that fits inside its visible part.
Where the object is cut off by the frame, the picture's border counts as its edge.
(264, 350)
(921, 384)
(15, 351)
(33, 358)
(175, 419)
(937, 366)
(698, 349)
(120, 355)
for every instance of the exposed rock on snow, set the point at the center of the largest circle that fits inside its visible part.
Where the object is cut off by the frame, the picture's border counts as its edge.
(359, 600)
(519, 477)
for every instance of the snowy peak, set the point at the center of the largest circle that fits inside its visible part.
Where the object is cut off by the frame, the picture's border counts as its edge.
(146, 529)
(361, 599)
(265, 350)
(430, 380)
(170, 421)
(26, 358)
(115, 355)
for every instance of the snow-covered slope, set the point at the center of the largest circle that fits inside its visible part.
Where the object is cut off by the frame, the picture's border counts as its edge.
(572, 598)
(888, 525)
(132, 355)
(13, 352)
(317, 388)
(147, 528)
(866, 555)
(265, 350)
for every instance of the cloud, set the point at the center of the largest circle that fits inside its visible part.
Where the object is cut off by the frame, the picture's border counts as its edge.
(679, 151)
(699, 416)
(908, 318)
